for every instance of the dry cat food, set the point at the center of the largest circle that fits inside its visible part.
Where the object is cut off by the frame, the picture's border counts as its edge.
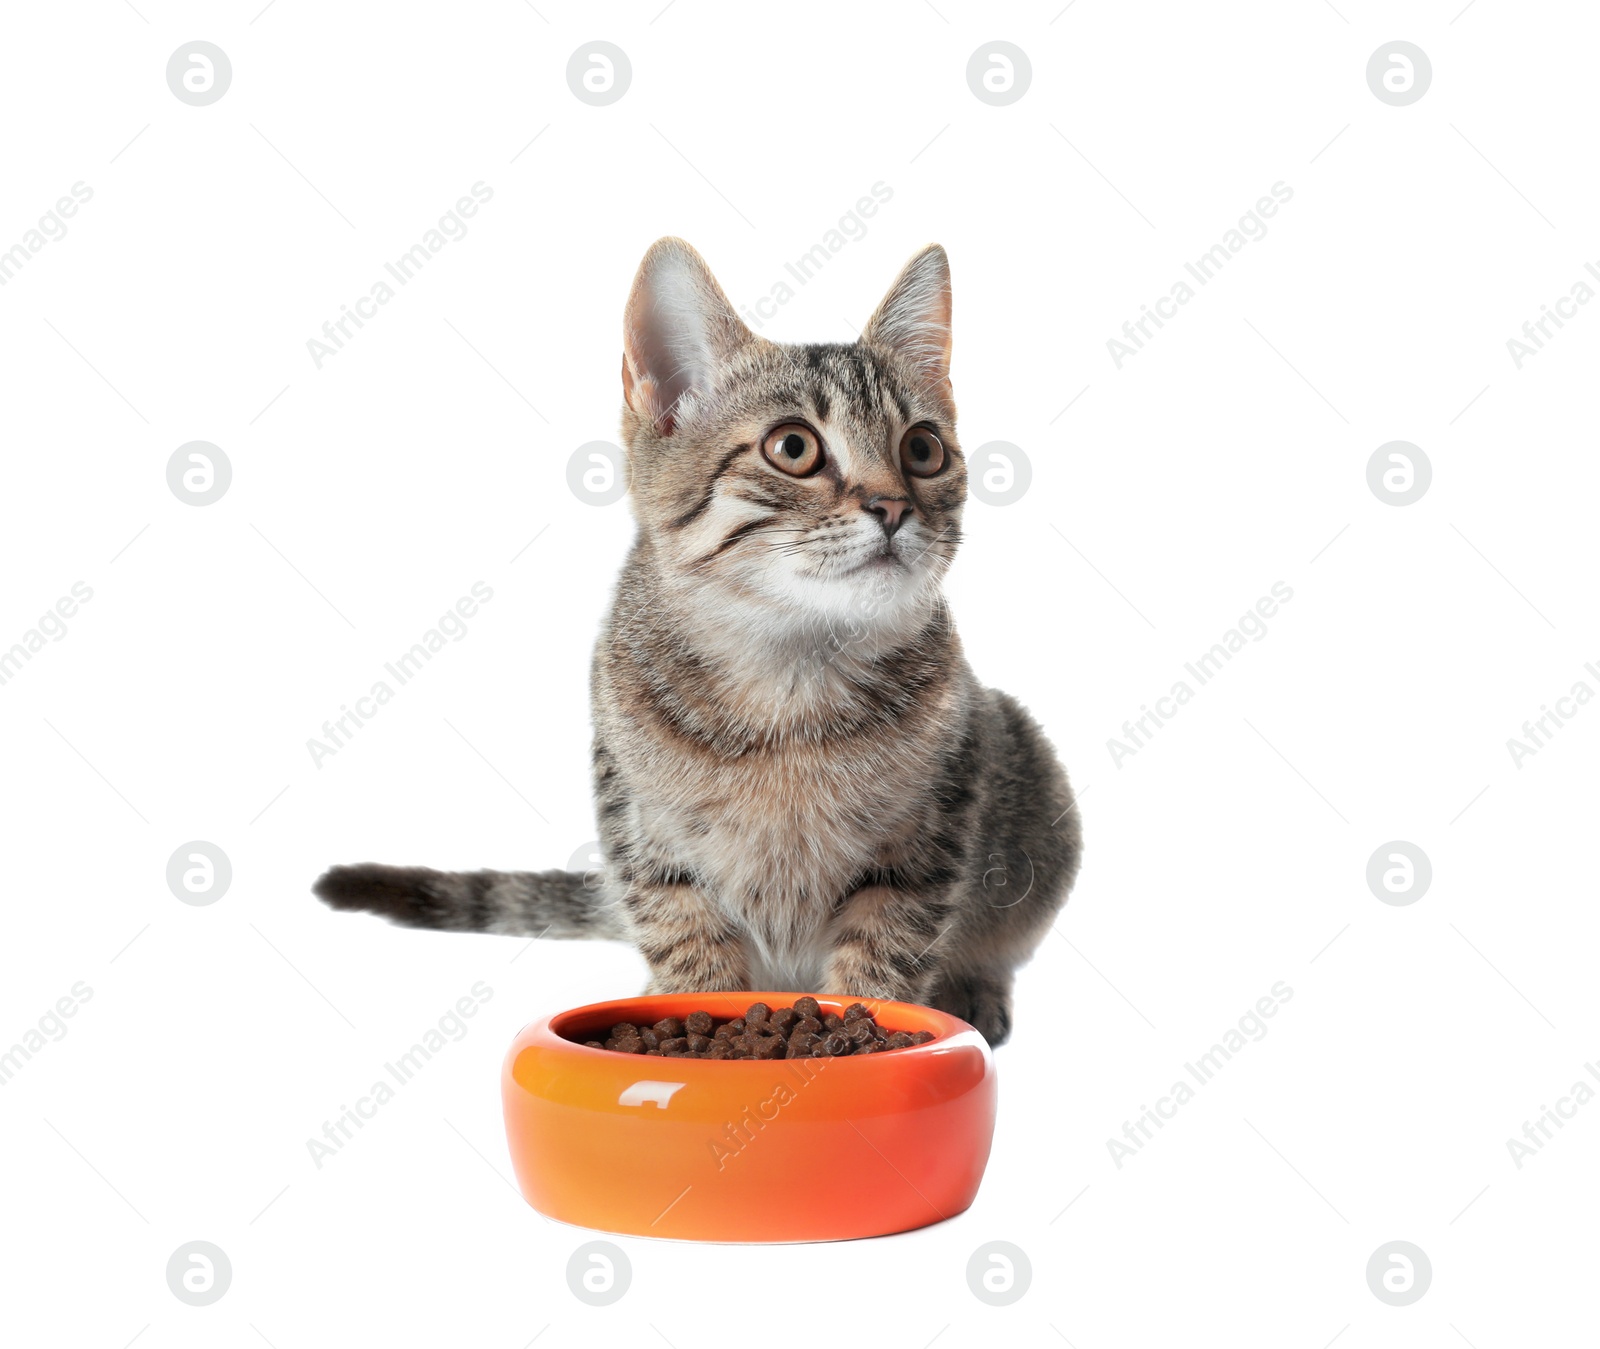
(803, 1031)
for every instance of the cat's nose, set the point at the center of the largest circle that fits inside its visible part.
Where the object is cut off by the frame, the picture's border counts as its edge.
(891, 511)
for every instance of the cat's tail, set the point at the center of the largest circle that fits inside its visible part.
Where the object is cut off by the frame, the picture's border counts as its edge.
(512, 903)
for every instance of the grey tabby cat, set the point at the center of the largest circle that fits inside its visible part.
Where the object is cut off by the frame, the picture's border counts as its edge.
(800, 784)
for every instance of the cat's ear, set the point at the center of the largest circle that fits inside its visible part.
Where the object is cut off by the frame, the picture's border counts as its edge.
(914, 319)
(677, 332)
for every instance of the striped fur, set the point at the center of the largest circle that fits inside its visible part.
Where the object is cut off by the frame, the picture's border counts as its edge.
(799, 782)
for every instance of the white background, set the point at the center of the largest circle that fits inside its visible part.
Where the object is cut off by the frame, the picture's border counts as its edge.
(367, 496)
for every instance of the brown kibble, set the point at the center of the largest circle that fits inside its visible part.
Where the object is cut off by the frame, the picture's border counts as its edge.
(801, 1031)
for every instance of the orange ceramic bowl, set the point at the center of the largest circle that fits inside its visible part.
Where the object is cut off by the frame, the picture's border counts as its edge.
(747, 1150)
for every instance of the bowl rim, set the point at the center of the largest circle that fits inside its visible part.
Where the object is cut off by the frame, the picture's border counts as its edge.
(949, 1031)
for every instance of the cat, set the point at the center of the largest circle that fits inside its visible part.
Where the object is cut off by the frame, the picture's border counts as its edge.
(799, 782)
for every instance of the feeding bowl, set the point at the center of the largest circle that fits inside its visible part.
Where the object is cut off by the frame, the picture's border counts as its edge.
(747, 1150)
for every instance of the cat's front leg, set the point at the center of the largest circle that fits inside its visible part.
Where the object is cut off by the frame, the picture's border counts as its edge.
(687, 940)
(880, 943)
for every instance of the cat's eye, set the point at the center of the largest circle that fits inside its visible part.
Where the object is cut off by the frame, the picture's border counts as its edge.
(921, 452)
(793, 448)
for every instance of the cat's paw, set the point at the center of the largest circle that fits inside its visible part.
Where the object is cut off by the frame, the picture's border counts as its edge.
(982, 1003)
(992, 1016)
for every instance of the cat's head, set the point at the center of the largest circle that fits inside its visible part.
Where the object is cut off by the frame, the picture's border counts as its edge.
(815, 481)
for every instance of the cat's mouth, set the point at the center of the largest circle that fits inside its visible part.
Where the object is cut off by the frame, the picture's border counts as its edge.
(883, 559)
